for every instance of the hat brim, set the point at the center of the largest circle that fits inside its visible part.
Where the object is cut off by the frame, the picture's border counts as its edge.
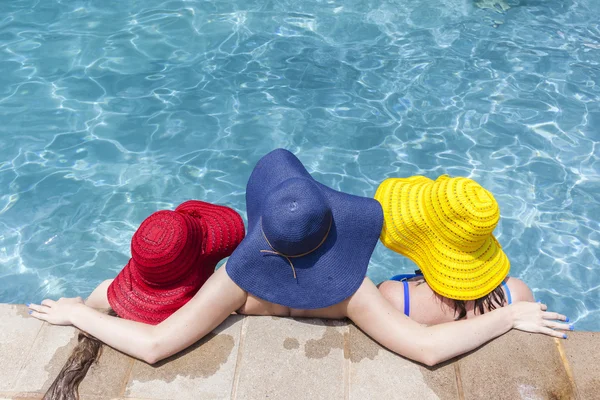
(448, 270)
(324, 277)
(132, 299)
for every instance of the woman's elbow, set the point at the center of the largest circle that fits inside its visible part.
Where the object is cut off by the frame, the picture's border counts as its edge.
(153, 350)
(431, 359)
(151, 357)
(430, 355)
(149, 354)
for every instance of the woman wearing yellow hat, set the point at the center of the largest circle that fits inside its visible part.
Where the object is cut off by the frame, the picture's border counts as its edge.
(445, 226)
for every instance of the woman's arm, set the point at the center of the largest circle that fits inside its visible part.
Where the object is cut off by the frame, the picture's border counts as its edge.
(213, 303)
(99, 298)
(519, 290)
(434, 344)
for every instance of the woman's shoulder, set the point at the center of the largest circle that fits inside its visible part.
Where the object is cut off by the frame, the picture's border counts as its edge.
(519, 290)
(425, 307)
(393, 292)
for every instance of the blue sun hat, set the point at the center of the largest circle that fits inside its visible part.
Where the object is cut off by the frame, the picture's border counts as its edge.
(307, 246)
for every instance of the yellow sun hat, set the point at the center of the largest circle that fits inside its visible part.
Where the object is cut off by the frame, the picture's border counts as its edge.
(445, 226)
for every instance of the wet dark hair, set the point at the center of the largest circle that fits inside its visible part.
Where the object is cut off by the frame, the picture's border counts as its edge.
(490, 301)
(86, 352)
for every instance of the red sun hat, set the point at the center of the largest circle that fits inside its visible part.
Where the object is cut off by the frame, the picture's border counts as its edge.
(172, 254)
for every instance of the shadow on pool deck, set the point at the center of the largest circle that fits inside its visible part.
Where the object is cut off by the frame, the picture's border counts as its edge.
(283, 358)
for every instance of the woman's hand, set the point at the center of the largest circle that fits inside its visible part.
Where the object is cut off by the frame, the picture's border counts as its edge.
(533, 317)
(56, 312)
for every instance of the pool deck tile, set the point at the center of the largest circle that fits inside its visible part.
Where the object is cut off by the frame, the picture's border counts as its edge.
(583, 355)
(268, 357)
(516, 365)
(50, 351)
(17, 334)
(376, 373)
(21, 396)
(204, 371)
(284, 358)
(109, 376)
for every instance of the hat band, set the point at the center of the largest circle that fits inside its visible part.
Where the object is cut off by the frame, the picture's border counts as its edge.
(274, 251)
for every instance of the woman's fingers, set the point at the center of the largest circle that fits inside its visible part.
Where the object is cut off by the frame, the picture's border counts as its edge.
(557, 325)
(37, 308)
(48, 303)
(554, 316)
(39, 315)
(552, 332)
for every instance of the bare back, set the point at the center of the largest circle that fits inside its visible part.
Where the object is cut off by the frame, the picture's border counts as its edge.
(252, 306)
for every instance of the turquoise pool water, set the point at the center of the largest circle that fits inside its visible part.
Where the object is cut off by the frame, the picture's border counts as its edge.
(111, 110)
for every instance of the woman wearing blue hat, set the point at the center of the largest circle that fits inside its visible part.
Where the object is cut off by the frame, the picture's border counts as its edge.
(305, 255)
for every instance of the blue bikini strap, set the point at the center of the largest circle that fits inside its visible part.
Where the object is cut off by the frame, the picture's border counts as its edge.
(406, 298)
(403, 277)
(507, 290)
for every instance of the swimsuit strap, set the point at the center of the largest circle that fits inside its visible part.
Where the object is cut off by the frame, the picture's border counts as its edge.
(404, 277)
(406, 298)
(508, 295)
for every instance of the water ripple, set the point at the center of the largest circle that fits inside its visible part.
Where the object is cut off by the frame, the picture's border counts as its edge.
(113, 110)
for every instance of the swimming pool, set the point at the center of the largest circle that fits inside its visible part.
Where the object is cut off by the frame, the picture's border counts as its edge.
(111, 110)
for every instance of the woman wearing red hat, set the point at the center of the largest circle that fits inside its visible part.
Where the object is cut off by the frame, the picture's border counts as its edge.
(305, 255)
(173, 253)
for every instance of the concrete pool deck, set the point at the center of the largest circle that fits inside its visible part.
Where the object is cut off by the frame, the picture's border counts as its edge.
(283, 358)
